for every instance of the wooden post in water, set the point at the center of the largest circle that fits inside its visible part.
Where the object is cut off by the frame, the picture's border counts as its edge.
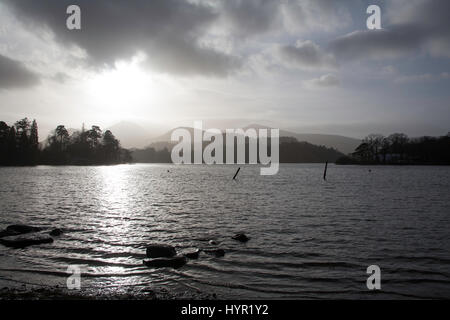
(325, 171)
(236, 173)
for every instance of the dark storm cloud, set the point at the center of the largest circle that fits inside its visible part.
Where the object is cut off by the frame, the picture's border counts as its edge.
(175, 35)
(14, 75)
(414, 26)
(250, 17)
(307, 54)
(375, 44)
(168, 31)
(254, 17)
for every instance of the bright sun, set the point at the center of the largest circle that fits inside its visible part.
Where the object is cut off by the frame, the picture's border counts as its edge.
(122, 90)
(130, 91)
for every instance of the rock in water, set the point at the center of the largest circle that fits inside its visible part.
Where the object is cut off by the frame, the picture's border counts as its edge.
(22, 228)
(160, 251)
(240, 237)
(23, 241)
(4, 233)
(17, 229)
(174, 262)
(192, 255)
(56, 232)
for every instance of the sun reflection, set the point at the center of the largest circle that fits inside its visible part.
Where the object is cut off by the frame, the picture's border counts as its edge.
(116, 200)
(115, 185)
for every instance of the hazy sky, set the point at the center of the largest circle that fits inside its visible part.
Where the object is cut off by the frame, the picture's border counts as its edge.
(309, 65)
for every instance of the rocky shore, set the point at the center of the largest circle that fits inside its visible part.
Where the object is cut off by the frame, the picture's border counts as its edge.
(158, 255)
(129, 293)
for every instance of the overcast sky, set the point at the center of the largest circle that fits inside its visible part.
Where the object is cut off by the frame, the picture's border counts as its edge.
(304, 65)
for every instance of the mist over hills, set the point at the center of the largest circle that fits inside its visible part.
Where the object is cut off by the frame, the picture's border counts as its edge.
(292, 150)
(132, 135)
(341, 143)
(338, 142)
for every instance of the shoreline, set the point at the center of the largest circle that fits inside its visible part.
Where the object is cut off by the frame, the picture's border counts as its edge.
(32, 292)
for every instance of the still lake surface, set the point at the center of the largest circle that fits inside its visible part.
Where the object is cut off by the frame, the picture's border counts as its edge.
(309, 238)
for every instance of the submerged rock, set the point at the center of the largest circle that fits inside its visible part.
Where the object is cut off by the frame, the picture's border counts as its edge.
(22, 228)
(160, 251)
(22, 241)
(215, 252)
(17, 229)
(240, 237)
(4, 233)
(56, 232)
(212, 242)
(174, 262)
(192, 255)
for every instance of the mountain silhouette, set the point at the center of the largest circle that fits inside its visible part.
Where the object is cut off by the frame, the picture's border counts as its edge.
(343, 144)
(130, 134)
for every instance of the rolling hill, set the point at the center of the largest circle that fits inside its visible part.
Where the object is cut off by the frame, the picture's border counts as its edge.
(343, 144)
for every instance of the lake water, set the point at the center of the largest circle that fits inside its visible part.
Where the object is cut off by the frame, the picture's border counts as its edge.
(310, 238)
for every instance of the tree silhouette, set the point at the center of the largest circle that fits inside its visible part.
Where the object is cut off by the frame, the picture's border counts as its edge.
(362, 152)
(22, 143)
(94, 135)
(398, 143)
(62, 135)
(22, 126)
(19, 145)
(34, 143)
(12, 147)
(111, 146)
(4, 134)
(399, 149)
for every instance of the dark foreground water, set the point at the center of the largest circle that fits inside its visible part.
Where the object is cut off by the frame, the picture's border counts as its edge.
(309, 238)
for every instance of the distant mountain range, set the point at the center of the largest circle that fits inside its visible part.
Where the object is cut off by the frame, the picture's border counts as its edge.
(131, 135)
(341, 143)
(290, 151)
(294, 147)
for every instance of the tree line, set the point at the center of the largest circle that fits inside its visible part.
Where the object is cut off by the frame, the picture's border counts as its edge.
(291, 151)
(19, 146)
(398, 148)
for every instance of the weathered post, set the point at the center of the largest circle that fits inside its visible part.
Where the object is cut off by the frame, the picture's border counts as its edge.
(325, 171)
